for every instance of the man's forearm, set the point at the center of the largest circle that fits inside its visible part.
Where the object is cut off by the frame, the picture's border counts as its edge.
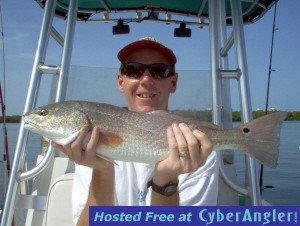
(161, 200)
(158, 199)
(101, 193)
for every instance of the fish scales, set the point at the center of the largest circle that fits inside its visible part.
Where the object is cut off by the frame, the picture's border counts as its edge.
(136, 132)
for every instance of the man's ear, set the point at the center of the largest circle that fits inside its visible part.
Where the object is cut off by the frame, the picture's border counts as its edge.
(174, 80)
(120, 83)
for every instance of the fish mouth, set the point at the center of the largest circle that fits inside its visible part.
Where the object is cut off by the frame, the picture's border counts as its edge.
(52, 135)
(37, 129)
(32, 127)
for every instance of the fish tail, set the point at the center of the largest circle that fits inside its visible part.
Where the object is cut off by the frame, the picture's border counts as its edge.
(264, 137)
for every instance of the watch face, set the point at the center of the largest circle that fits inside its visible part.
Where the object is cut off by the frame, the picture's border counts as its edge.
(170, 190)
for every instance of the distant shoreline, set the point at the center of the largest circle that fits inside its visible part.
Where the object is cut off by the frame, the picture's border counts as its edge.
(200, 115)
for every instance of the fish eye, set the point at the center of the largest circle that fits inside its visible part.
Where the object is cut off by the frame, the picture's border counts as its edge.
(42, 112)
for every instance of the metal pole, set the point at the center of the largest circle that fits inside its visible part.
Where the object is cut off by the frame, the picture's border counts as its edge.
(8, 209)
(239, 40)
(67, 51)
(225, 84)
(215, 59)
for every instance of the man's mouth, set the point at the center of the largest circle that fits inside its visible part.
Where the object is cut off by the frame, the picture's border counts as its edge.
(146, 96)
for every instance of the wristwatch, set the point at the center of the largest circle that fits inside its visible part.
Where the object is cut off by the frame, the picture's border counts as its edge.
(166, 190)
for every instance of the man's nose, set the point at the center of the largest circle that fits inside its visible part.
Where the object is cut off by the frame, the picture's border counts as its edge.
(147, 79)
(147, 75)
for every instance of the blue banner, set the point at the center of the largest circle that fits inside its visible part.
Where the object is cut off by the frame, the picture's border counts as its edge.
(194, 215)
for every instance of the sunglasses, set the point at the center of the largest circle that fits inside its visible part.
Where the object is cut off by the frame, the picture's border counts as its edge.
(157, 71)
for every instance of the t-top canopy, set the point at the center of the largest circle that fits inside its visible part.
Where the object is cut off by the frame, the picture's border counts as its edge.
(252, 9)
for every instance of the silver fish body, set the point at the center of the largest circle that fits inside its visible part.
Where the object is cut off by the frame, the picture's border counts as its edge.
(141, 137)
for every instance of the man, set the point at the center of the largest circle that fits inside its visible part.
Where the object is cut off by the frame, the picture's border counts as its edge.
(188, 176)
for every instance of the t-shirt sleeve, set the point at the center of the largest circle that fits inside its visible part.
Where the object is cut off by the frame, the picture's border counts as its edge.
(200, 188)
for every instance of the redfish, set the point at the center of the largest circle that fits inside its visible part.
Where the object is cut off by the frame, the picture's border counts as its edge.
(142, 137)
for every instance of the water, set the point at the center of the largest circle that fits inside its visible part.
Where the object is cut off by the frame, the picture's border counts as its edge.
(33, 151)
(285, 178)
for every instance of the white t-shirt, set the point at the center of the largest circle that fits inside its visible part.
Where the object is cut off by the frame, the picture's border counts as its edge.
(195, 189)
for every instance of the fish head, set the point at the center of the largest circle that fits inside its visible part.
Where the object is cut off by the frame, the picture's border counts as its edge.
(60, 122)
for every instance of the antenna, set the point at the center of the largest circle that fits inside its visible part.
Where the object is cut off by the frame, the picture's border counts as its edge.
(262, 187)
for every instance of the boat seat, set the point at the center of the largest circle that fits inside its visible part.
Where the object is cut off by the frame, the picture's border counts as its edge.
(59, 205)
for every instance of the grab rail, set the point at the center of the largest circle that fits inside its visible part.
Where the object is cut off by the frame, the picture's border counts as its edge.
(39, 168)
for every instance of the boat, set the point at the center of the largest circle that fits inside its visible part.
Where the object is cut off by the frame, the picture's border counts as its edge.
(40, 203)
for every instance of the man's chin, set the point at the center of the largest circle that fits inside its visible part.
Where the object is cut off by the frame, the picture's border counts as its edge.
(144, 108)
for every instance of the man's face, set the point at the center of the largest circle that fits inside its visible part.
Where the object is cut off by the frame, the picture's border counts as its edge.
(146, 93)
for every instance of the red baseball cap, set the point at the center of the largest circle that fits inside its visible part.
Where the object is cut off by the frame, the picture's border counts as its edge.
(147, 42)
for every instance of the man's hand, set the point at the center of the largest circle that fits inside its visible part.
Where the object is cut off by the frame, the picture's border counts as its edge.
(188, 151)
(82, 155)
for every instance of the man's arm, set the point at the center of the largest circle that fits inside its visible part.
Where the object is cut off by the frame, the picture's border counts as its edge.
(161, 200)
(101, 193)
(101, 190)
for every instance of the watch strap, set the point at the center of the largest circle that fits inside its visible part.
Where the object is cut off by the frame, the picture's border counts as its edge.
(166, 190)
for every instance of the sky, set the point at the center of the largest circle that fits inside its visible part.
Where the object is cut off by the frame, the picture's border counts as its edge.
(95, 46)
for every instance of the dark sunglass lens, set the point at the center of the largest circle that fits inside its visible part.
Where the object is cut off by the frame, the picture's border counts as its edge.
(133, 70)
(159, 71)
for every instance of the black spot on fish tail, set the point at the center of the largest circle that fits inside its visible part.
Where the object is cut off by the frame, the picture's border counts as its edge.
(246, 130)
